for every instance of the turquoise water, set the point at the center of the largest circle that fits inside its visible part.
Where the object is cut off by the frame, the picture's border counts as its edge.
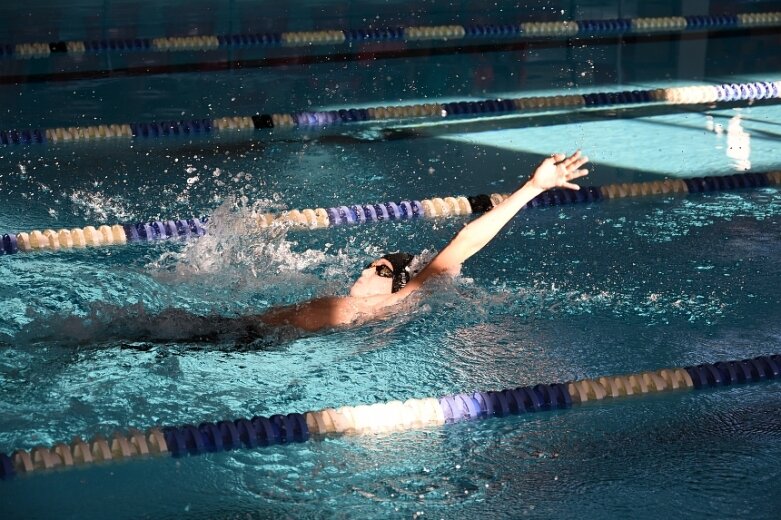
(563, 293)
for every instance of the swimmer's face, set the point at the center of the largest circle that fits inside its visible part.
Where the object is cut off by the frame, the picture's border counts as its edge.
(375, 280)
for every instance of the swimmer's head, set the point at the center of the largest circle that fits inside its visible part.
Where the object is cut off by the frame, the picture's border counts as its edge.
(388, 274)
(401, 273)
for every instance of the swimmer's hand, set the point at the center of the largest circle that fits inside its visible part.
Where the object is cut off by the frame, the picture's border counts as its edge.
(558, 171)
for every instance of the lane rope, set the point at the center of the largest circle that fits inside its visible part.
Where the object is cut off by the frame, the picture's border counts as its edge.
(437, 207)
(319, 120)
(259, 431)
(347, 37)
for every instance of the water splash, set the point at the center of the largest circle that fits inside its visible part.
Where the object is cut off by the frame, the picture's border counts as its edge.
(237, 254)
(97, 205)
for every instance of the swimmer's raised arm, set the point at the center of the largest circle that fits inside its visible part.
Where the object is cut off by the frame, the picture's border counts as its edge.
(373, 292)
(555, 171)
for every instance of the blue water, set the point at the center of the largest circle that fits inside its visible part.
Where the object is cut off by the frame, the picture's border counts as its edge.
(563, 293)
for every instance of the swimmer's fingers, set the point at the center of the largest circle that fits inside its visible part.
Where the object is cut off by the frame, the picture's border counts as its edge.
(568, 161)
(577, 163)
(575, 175)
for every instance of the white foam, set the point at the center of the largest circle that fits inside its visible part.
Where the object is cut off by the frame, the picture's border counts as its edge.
(237, 253)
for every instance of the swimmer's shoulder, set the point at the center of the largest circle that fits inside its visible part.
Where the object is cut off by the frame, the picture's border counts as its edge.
(331, 312)
(314, 315)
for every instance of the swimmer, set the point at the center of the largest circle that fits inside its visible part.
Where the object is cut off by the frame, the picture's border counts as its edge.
(378, 292)
(387, 281)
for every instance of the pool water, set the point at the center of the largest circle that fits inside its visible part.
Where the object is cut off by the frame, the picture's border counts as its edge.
(562, 293)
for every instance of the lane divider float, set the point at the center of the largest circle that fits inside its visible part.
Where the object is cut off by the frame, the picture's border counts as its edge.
(319, 120)
(335, 37)
(437, 207)
(259, 431)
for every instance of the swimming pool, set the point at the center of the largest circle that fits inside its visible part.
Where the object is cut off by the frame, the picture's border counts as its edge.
(565, 293)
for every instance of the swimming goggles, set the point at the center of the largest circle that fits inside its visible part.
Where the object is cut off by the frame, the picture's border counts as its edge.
(382, 270)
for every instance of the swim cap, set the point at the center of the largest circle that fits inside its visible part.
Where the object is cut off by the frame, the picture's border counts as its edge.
(401, 275)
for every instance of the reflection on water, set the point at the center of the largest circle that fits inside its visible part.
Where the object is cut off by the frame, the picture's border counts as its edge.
(738, 144)
(738, 141)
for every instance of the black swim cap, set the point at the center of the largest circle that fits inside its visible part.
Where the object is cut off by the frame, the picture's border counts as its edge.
(400, 262)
